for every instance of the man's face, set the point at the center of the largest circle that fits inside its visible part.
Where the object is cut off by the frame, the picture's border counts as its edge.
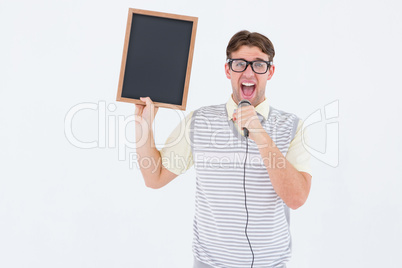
(249, 85)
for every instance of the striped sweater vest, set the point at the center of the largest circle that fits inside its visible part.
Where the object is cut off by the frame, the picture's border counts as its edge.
(220, 214)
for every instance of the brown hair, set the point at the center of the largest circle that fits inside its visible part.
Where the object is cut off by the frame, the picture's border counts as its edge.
(246, 38)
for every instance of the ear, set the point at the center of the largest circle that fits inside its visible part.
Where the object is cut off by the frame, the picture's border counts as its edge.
(271, 72)
(227, 70)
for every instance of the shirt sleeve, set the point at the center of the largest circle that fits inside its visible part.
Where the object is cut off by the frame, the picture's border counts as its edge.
(176, 154)
(297, 154)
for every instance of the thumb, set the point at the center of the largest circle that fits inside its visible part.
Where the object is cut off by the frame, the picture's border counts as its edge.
(138, 109)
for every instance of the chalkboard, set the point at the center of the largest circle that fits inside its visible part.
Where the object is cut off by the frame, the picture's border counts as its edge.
(157, 58)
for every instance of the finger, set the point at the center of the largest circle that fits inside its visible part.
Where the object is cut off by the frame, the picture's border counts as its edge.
(138, 109)
(247, 109)
(147, 100)
(247, 112)
(149, 105)
(154, 111)
(241, 113)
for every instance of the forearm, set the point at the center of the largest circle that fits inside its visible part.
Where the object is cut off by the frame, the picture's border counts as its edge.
(290, 184)
(149, 158)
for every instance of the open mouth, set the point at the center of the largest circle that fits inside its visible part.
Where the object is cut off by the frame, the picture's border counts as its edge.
(247, 90)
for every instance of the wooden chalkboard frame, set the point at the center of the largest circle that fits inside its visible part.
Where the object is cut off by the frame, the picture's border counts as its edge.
(132, 12)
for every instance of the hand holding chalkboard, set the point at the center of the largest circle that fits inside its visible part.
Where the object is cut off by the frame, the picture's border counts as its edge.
(145, 114)
(157, 58)
(144, 118)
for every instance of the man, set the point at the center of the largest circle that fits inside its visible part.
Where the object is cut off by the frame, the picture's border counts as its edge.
(245, 186)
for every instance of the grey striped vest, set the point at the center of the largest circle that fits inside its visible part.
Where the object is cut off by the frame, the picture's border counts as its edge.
(220, 215)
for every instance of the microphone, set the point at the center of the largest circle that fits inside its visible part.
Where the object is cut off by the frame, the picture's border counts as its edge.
(243, 103)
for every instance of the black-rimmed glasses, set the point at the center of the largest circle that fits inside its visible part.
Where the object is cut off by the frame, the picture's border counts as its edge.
(240, 65)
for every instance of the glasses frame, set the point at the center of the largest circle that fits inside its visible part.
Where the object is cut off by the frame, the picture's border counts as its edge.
(269, 63)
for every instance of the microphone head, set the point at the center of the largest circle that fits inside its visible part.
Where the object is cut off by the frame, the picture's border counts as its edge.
(243, 103)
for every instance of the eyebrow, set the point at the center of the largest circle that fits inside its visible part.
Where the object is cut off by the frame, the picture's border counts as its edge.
(254, 59)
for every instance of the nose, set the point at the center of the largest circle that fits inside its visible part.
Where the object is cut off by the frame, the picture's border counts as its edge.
(248, 72)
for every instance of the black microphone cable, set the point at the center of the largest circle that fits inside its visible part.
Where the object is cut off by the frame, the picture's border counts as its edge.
(243, 103)
(245, 130)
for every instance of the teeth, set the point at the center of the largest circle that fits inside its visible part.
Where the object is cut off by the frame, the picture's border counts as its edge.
(247, 84)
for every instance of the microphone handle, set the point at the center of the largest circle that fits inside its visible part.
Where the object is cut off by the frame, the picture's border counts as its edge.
(245, 132)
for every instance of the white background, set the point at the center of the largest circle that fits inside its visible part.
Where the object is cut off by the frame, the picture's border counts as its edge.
(63, 206)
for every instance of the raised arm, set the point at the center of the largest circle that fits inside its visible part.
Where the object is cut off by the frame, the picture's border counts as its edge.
(290, 184)
(149, 158)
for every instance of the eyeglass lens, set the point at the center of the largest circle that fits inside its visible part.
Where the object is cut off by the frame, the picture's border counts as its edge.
(259, 67)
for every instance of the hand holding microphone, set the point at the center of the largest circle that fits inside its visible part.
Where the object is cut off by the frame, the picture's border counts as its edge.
(247, 119)
(244, 103)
